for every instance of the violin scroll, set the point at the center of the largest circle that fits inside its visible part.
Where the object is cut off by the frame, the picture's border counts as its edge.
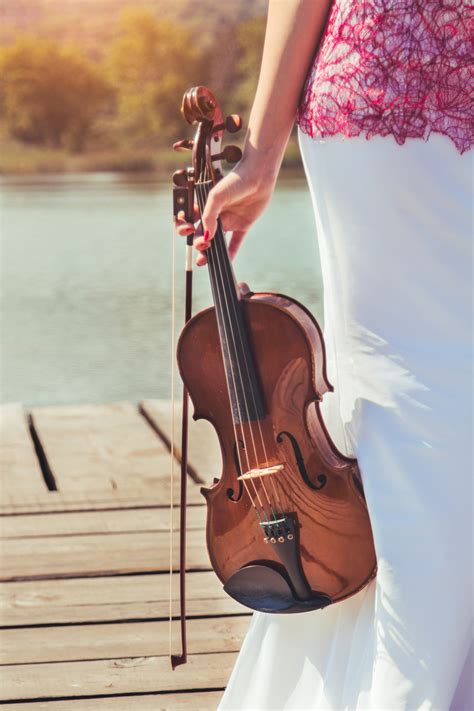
(200, 107)
(199, 104)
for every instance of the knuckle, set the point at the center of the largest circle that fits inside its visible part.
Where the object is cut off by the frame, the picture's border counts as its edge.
(216, 196)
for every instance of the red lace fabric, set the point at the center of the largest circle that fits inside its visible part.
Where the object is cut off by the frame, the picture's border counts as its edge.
(400, 67)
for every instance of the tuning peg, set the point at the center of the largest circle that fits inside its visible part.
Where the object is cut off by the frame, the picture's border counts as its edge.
(180, 178)
(231, 154)
(185, 145)
(233, 123)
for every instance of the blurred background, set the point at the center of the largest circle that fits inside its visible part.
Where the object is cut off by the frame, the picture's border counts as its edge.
(89, 109)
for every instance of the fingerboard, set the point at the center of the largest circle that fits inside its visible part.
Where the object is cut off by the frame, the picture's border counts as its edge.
(244, 390)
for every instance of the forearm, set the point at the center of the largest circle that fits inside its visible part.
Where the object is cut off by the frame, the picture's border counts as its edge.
(294, 28)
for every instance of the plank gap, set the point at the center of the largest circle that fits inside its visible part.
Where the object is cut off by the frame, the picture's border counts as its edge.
(123, 507)
(46, 471)
(125, 621)
(81, 534)
(167, 442)
(157, 694)
(88, 659)
(91, 574)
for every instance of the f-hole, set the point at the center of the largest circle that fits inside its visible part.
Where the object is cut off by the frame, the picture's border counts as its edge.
(321, 478)
(230, 491)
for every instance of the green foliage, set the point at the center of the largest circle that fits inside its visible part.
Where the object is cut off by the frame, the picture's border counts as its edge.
(249, 37)
(119, 94)
(151, 64)
(51, 95)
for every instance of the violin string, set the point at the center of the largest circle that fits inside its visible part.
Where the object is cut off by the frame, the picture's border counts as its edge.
(211, 254)
(220, 246)
(234, 424)
(225, 343)
(238, 367)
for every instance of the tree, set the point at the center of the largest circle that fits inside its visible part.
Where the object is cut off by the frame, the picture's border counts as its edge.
(151, 63)
(249, 41)
(51, 95)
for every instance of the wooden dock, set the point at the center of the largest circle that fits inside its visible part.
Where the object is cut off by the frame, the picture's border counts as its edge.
(84, 591)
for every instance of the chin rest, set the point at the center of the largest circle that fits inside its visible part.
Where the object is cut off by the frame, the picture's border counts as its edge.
(263, 588)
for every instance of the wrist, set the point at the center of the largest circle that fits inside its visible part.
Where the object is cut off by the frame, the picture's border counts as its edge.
(262, 159)
(260, 170)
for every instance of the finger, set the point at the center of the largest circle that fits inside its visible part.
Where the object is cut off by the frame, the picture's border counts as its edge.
(235, 242)
(198, 228)
(202, 242)
(185, 229)
(181, 215)
(244, 288)
(201, 260)
(180, 218)
(226, 190)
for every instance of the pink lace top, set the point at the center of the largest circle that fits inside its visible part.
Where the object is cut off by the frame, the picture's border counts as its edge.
(399, 67)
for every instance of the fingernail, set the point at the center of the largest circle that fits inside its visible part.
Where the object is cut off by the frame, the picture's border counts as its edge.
(206, 235)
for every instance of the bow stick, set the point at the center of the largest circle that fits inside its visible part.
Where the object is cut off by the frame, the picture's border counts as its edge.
(183, 201)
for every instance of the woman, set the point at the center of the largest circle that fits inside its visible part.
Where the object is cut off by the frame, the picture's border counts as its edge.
(393, 224)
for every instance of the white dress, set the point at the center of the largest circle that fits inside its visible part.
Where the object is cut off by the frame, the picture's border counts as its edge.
(394, 229)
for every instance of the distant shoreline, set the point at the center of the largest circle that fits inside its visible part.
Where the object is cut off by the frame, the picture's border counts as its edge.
(17, 159)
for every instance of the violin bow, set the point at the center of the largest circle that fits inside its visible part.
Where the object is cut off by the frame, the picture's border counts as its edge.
(183, 201)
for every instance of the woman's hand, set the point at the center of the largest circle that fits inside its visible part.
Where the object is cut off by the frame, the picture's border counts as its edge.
(291, 38)
(238, 199)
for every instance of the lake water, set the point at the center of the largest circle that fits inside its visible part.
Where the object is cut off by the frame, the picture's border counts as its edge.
(86, 283)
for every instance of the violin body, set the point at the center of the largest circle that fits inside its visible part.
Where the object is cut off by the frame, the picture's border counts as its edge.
(315, 546)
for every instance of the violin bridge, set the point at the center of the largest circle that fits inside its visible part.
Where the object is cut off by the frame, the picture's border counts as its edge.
(258, 473)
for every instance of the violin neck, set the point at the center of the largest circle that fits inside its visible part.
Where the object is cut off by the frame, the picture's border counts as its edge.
(244, 390)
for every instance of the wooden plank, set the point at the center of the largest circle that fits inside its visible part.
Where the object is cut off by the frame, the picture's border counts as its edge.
(150, 519)
(132, 639)
(204, 449)
(199, 701)
(134, 597)
(115, 676)
(104, 448)
(20, 471)
(55, 501)
(30, 558)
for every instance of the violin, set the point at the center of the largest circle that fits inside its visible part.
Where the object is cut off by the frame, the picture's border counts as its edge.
(287, 528)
